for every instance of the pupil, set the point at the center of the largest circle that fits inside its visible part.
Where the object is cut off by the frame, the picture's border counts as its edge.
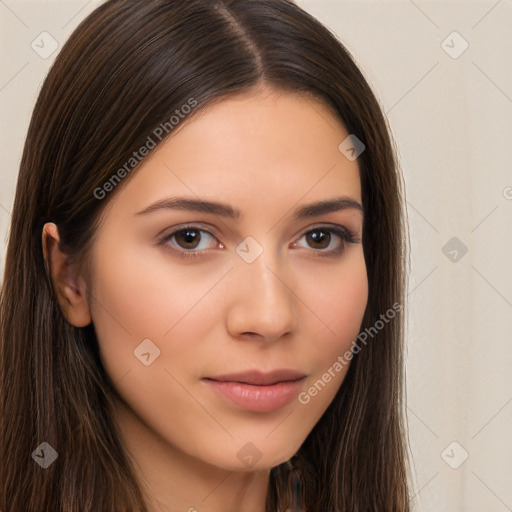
(314, 236)
(189, 235)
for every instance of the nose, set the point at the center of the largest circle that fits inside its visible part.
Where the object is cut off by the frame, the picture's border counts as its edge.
(262, 303)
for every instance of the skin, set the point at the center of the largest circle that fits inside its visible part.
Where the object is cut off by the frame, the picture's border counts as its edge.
(266, 153)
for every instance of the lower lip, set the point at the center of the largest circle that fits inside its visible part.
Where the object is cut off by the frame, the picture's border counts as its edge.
(258, 398)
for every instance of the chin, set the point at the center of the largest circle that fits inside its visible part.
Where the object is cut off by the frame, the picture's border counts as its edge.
(258, 455)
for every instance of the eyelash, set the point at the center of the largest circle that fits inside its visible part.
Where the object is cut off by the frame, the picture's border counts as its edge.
(345, 234)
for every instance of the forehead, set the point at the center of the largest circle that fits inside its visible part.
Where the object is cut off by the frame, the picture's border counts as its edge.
(249, 150)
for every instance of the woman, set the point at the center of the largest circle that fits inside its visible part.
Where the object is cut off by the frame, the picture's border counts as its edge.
(262, 371)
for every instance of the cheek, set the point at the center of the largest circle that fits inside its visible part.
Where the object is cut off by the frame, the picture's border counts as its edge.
(347, 300)
(341, 304)
(339, 300)
(136, 298)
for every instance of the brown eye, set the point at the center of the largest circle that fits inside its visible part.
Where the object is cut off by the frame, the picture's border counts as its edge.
(189, 241)
(323, 240)
(188, 238)
(319, 239)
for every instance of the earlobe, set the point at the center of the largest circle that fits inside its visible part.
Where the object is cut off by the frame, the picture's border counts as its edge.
(70, 288)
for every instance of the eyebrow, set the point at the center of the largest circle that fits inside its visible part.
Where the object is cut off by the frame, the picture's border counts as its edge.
(224, 210)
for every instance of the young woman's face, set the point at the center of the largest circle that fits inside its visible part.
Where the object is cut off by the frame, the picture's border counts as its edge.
(182, 296)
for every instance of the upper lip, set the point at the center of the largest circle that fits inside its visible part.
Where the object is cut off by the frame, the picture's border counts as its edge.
(259, 378)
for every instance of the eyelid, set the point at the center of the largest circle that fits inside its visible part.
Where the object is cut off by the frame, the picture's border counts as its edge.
(331, 226)
(346, 235)
(209, 228)
(199, 226)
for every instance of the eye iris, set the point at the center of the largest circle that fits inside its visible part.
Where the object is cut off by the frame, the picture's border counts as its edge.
(190, 236)
(313, 236)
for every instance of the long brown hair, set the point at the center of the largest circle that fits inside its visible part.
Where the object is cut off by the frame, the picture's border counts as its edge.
(124, 71)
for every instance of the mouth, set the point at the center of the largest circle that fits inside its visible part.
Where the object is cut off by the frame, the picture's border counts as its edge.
(258, 391)
(258, 378)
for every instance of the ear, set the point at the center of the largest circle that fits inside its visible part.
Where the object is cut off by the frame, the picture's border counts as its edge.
(69, 287)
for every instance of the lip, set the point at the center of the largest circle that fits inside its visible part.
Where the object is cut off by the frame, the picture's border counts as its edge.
(259, 378)
(258, 391)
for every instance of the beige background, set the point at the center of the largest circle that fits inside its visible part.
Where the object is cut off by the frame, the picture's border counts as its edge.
(451, 114)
